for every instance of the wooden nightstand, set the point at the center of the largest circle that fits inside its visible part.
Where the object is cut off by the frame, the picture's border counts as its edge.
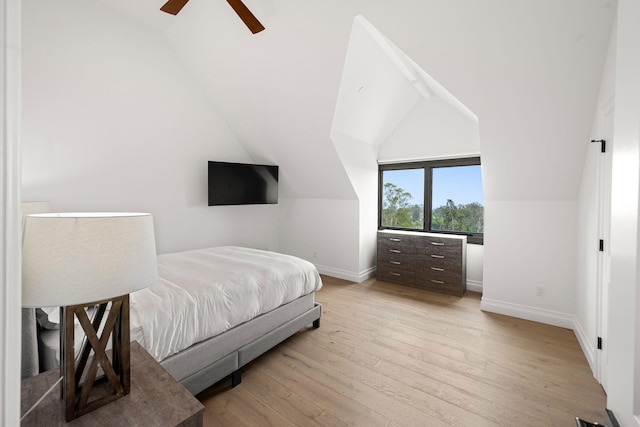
(156, 399)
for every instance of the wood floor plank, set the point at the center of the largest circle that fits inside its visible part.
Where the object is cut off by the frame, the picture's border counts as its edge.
(389, 355)
(239, 407)
(435, 371)
(374, 392)
(438, 400)
(312, 384)
(300, 410)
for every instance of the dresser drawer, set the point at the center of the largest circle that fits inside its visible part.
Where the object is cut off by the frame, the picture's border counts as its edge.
(442, 286)
(447, 261)
(397, 261)
(441, 282)
(396, 245)
(439, 244)
(396, 275)
(440, 274)
(397, 239)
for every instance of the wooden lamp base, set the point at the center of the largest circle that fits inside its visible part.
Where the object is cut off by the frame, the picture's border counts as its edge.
(96, 380)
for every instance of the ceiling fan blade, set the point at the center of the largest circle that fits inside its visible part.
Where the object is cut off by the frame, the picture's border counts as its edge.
(247, 17)
(173, 6)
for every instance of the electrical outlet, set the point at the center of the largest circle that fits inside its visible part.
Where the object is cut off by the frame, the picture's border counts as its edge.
(539, 290)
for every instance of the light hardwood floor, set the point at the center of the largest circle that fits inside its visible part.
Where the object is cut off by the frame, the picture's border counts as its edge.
(390, 355)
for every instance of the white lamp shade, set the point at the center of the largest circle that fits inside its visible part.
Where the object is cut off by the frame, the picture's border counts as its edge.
(76, 258)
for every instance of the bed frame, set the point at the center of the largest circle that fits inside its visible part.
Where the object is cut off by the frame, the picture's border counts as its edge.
(207, 362)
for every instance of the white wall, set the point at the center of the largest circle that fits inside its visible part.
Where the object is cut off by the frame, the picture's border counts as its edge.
(375, 91)
(112, 121)
(435, 127)
(475, 267)
(537, 247)
(322, 231)
(359, 161)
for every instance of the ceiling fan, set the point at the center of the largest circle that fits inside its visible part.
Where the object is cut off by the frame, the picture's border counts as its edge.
(174, 6)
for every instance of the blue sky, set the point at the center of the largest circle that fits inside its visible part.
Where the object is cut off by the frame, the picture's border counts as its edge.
(462, 184)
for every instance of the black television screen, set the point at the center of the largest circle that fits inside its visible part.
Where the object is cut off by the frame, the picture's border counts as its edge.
(242, 184)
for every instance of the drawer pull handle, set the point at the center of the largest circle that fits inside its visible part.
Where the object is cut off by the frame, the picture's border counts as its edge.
(394, 274)
(395, 251)
(437, 244)
(437, 281)
(395, 262)
(437, 269)
(395, 240)
(437, 256)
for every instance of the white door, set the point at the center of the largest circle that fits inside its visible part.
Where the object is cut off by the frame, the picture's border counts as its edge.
(604, 259)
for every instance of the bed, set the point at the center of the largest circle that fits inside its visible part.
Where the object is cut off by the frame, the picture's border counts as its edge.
(212, 311)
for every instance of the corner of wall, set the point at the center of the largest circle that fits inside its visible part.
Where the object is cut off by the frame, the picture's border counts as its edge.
(474, 286)
(534, 314)
(352, 276)
(585, 344)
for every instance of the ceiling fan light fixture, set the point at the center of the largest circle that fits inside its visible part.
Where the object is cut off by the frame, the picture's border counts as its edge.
(249, 19)
(173, 6)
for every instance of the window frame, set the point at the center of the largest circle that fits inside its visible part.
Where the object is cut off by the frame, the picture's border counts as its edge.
(427, 166)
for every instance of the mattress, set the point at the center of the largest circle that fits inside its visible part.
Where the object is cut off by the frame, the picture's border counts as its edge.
(205, 292)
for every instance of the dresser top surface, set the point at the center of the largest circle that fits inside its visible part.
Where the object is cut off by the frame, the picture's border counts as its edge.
(424, 234)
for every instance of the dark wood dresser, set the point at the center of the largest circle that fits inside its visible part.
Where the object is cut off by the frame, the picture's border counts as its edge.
(434, 262)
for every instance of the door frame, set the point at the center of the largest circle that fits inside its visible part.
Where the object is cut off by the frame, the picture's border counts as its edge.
(605, 127)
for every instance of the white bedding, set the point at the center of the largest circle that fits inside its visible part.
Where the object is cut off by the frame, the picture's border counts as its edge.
(202, 293)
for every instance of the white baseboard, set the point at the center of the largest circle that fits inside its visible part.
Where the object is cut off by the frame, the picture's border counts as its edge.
(535, 314)
(474, 285)
(586, 344)
(347, 275)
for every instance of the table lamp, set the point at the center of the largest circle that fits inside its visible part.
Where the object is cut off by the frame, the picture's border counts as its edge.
(82, 260)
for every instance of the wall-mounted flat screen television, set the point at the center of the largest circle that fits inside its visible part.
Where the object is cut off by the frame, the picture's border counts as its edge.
(242, 184)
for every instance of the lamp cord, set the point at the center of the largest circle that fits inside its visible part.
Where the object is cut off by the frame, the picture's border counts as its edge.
(41, 399)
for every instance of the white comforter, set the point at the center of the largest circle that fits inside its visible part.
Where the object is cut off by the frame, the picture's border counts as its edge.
(204, 292)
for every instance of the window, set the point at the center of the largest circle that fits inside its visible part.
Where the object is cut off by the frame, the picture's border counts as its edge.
(440, 196)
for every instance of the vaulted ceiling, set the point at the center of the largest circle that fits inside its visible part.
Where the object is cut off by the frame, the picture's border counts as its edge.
(529, 70)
